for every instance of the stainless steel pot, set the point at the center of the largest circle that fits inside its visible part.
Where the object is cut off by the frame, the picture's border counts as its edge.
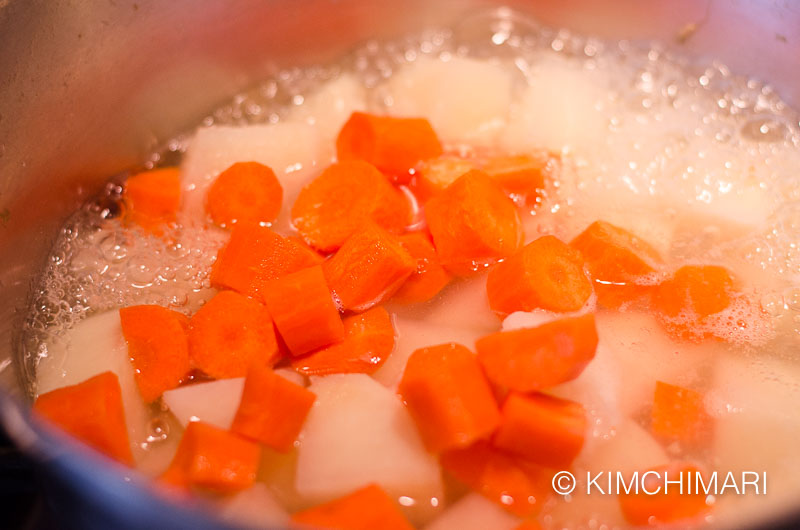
(87, 88)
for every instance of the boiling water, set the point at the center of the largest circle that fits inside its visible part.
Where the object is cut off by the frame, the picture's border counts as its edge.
(699, 161)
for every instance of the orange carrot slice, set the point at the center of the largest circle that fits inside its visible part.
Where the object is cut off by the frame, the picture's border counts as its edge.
(521, 176)
(617, 261)
(255, 255)
(533, 359)
(473, 224)
(543, 429)
(519, 487)
(364, 509)
(245, 192)
(214, 459)
(393, 145)
(272, 410)
(665, 507)
(544, 274)
(528, 524)
(679, 415)
(158, 347)
(342, 199)
(152, 198)
(436, 174)
(448, 397)
(92, 412)
(369, 267)
(303, 310)
(429, 278)
(230, 333)
(368, 341)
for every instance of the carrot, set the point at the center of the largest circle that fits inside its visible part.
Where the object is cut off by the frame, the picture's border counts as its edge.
(369, 267)
(617, 261)
(543, 429)
(695, 292)
(528, 524)
(393, 145)
(679, 415)
(158, 348)
(255, 255)
(230, 333)
(245, 192)
(544, 274)
(641, 508)
(473, 224)
(364, 509)
(303, 310)
(368, 341)
(92, 412)
(522, 176)
(152, 198)
(272, 410)
(436, 174)
(342, 199)
(429, 278)
(213, 459)
(448, 397)
(533, 359)
(519, 487)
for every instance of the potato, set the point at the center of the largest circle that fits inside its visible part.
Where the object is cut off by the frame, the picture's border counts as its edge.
(474, 512)
(214, 402)
(329, 107)
(255, 507)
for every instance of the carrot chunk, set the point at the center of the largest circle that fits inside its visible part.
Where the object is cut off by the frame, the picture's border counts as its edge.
(528, 524)
(429, 277)
(152, 198)
(230, 333)
(393, 145)
(617, 261)
(473, 224)
(245, 192)
(543, 429)
(519, 487)
(368, 341)
(92, 412)
(158, 347)
(364, 509)
(448, 397)
(533, 359)
(272, 410)
(544, 274)
(521, 176)
(303, 310)
(369, 267)
(255, 255)
(342, 199)
(213, 459)
(666, 503)
(436, 174)
(679, 415)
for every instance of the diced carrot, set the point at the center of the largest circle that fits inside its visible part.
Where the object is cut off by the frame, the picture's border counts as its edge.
(546, 430)
(519, 487)
(230, 333)
(342, 199)
(659, 507)
(369, 267)
(365, 509)
(618, 261)
(255, 255)
(436, 174)
(429, 278)
(473, 224)
(152, 198)
(684, 301)
(544, 274)
(368, 341)
(245, 192)
(679, 415)
(528, 524)
(213, 459)
(393, 145)
(158, 348)
(522, 176)
(533, 359)
(272, 410)
(449, 397)
(303, 310)
(92, 412)
(311, 252)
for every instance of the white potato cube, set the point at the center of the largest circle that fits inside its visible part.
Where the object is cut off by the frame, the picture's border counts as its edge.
(255, 507)
(330, 106)
(474, 512)
(215, 402)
